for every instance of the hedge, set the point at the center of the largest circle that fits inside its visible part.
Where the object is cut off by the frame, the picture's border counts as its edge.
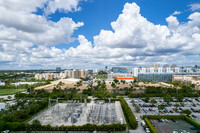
(152, 129)
(129, 114)
(140, 95)
(192, 122)
(86, 127)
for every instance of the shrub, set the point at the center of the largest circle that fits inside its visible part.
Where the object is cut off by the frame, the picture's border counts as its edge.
(129, 114)
(152, 129)
(192, 122)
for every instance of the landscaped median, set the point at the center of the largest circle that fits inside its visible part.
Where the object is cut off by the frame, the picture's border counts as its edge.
(184, 117)
(128, 113)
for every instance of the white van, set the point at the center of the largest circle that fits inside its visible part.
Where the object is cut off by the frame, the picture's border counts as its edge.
(143, 123)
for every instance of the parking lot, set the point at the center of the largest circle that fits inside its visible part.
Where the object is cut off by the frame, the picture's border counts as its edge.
(147, 108)
(172, 126)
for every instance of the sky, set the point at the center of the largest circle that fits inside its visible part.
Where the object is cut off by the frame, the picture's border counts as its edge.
(87, 34)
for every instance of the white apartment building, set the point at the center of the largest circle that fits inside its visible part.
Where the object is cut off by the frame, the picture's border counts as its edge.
(162, 70)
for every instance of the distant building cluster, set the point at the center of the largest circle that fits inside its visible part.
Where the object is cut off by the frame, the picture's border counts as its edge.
(162, 74)
(63, 75)
(119, 70)
(49, 76)
(155, 73)
(165, 70)
(120, 73)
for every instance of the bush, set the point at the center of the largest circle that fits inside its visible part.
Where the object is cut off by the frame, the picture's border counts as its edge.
(152, 129)
(129, 114)
(187, 112)
(86, 127)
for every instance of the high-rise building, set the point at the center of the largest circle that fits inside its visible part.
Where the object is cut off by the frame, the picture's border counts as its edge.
(58, 69)
(173, 65)
(119, 70)
(155, 65)
(166, 65)
(106, 67)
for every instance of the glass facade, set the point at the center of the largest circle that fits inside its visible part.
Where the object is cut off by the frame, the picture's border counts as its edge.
(119, 70)
(160, 77)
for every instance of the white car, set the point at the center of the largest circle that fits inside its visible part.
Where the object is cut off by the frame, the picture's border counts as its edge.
(147, 130)
(136, 119)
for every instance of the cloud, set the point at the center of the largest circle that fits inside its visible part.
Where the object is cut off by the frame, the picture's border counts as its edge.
(176, 13)
(133, 41)
(131, 30)
(18, 22)
(195, 6)
(62, 6)
(172, 22)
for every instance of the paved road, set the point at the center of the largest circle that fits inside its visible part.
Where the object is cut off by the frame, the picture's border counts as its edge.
(6, 96)
(140, 129)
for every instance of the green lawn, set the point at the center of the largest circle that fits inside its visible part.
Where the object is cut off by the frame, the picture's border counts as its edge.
(10, 91)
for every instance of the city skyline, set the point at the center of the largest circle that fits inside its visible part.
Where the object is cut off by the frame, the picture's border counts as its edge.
(91, 34)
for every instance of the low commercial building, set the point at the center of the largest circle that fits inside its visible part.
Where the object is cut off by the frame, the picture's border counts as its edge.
(125, 79)
(120, 76)
(188, 79)
(2, 83)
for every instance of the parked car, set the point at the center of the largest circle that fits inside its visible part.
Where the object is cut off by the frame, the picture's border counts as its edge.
(194, 116)
(136, 119)
(147, 130)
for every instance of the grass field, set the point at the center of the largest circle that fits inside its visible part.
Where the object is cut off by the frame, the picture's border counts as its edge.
(10, 91)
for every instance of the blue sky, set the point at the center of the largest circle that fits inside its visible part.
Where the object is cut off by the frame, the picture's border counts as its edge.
(95, 33)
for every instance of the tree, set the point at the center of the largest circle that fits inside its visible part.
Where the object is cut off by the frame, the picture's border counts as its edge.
(153, 101)
(79, 83)
(180, 97)
(116, 81)
(135, 79)
(36, 124)
(102, 93)
(167, 99)
(9, 97)
(147, 98)
(113, 85)
(176, 105)
(187, 112)
(137, 109)
(123, 81)
(160, 107)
